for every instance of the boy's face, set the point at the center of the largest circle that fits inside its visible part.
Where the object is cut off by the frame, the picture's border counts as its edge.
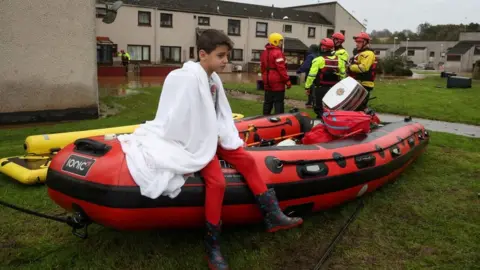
(217, 59)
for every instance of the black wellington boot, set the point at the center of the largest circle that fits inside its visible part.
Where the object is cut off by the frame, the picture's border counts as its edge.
(274, 218)
(212, 247)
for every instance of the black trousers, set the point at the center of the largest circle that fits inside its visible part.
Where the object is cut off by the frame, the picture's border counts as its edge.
(320, 92)
(274, 99)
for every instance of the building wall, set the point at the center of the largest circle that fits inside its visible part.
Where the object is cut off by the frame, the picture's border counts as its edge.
(125, 30)
(327, 10)
(469, 36)
(48, 58)
(420, 56)
(438, 47)
(345, 21)
(453, 66)
(432, 46)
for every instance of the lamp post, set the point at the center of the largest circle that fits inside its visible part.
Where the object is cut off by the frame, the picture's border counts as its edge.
(394, 46)
(407, 47)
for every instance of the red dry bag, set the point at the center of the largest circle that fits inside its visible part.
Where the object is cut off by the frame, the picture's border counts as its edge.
(346, 123)
(318, 134)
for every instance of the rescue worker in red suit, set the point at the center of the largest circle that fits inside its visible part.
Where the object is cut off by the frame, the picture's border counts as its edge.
(274, 75)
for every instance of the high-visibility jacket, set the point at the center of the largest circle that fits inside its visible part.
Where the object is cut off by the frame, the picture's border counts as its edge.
(327, 70)
(342, 54)
(364, 68)
(125, 56)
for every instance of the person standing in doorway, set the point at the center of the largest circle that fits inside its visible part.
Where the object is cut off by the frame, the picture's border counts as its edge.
(125, 60)
(274, 75)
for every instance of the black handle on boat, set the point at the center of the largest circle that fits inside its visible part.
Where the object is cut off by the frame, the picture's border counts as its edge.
(92, 147)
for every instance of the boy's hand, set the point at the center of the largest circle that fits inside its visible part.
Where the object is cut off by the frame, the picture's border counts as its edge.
(289, 84)
(307, 92)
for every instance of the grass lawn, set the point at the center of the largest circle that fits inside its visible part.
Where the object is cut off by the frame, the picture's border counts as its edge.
(426, 98)
(428, 218)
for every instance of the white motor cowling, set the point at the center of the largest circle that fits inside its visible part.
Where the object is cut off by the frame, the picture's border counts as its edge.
(346, 95)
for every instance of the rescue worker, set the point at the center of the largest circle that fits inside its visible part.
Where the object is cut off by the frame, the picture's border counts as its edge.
(274, 75)
(364, 65)
(338, 39)
(326, 71)
(313, 52)
(125, 59)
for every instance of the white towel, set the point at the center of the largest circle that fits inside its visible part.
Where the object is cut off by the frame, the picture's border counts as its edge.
(183, 137)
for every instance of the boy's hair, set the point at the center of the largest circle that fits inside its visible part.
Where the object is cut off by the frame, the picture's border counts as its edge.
(211, 38)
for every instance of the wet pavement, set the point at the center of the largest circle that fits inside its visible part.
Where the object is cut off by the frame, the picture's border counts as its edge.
(433, 125)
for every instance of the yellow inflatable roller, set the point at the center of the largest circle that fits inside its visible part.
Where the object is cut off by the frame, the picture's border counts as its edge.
(28, 169)
(46, 143)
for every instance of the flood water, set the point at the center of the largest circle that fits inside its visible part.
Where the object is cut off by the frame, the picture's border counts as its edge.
(122, 86)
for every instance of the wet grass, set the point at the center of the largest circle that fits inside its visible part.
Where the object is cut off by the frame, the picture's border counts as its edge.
(425, 98)
(428, 218)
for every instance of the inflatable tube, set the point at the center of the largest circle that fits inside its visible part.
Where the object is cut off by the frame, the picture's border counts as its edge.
(265, 128)
(27, 170)
(95, 180)
(46, 143)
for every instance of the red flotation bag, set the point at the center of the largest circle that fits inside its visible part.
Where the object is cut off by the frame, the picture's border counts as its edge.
(343, 123)
(318, 134)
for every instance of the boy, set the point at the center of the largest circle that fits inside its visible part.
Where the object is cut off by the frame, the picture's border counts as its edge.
(194, 120)
(274, 75)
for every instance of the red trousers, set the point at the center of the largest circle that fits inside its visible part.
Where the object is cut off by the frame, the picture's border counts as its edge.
(215, 181)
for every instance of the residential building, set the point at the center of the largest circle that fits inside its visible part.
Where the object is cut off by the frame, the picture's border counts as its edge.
(419, 52)
(165, 32)
(48, 64)
(342, 20)
(462, 57)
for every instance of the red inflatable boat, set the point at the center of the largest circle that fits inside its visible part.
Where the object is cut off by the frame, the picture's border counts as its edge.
(91, 176)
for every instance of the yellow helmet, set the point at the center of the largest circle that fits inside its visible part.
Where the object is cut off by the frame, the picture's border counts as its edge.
(275, 39)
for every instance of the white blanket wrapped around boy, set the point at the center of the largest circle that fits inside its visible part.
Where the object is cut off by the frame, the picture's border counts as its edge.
(160, 152)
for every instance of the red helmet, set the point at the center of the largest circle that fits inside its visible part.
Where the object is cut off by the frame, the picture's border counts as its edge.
(339, 36)
(362, 36)
(327, 43)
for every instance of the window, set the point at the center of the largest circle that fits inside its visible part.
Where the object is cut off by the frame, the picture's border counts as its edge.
(139, 52)
(476, 51)
(287, 28)
(329, 32)
(293, 58)
(411, 53)
(454, 57)
(144, 18)
(432, 54)
(170, 54)
(311, 32)
(236, 55)
(256, 55)
(233, 27)
(203, 20)
(192, 52)
(343, 32)
(262, 29)
(166, 20)
(101, 12)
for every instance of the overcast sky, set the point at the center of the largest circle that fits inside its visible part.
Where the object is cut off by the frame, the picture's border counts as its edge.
(397, 15)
